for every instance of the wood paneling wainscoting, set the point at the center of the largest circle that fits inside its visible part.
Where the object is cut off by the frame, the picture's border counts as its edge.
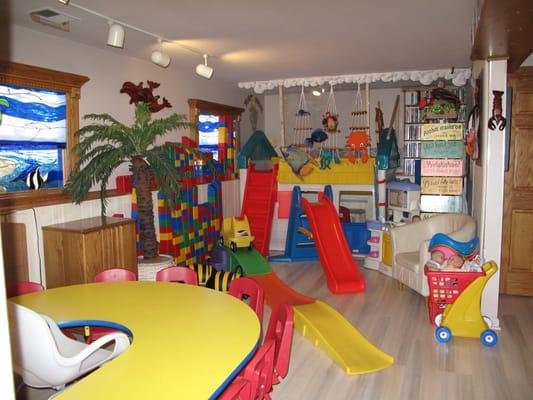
(14, 247)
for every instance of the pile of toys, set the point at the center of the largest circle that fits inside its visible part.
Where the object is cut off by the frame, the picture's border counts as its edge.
(448, 254)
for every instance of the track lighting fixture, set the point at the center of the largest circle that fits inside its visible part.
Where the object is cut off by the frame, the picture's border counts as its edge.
(115, 37)
(204, 70)
(159, 57)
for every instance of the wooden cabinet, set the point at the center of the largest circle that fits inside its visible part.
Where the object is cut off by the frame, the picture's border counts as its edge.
(75, 251)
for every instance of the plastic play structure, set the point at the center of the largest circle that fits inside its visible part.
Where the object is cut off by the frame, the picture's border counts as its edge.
(258, 203)
(299, 241)
(342, 273)
(315, 320)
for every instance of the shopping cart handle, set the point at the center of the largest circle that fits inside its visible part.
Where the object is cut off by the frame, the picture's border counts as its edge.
(490, 268)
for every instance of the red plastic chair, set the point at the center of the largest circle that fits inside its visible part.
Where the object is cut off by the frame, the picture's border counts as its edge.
(109, 275)
(260, 371)
(177, 274)
(114, 275)
(23, 287)
(244, 287)
(239, 389)
(280, 329)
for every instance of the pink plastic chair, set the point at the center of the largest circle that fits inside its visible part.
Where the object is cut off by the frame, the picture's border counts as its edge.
(177, 274)
(239, 389)
(244, 287)
(114, 275)
(260, 371)
(280, 329)
(23, 287)
(109, 275)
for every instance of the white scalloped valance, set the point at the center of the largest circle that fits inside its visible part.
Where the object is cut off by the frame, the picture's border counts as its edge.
(459, 77)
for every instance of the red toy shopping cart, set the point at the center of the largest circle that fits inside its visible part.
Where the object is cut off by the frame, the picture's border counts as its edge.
(444, 288)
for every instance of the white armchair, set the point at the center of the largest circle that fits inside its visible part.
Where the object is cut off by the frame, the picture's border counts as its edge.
(45, 357)
(410, 244)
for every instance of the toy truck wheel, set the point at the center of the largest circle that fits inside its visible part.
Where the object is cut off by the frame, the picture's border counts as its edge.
(233, 246)
(489, 338)
(443, 334)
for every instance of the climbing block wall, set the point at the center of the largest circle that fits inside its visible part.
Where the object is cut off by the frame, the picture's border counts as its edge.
(189, 231)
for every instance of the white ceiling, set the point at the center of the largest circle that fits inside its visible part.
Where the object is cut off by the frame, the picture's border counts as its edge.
(275, 39)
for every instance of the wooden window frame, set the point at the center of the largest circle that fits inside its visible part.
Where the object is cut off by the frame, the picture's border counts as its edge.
(197, 107)
(43, 78)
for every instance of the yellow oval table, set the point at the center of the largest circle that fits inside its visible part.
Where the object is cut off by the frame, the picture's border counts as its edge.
(188, 341)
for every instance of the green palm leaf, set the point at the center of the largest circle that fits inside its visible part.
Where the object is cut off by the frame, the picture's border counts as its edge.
(105, 143)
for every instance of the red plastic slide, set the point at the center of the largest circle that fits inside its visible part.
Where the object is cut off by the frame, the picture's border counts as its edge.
(342, 272)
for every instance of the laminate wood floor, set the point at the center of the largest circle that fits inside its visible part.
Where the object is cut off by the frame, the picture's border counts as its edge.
(396, 321)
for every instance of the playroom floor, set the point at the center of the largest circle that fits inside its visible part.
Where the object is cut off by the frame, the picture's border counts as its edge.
(396, 321)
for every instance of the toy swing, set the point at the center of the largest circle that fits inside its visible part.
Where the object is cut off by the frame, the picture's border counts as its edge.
(358, 141)
(330, 123)
(302, 126)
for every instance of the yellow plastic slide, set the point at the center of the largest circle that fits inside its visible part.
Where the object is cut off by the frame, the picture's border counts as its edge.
(330, 331)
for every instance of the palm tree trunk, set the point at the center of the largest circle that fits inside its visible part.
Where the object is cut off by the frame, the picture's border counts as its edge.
(142, 173)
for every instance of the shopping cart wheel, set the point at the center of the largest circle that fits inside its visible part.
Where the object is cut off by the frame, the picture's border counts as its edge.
(489, 338)
(438, 319)
(488, 321)
(443, 334)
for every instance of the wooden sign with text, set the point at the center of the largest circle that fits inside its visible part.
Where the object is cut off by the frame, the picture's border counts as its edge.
(435, 167)
(447, 204)
(442, 132)
(443, 149)
(441, 185)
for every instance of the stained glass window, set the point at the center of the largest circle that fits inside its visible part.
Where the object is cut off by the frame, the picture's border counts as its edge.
(33, 134)
(208, 134)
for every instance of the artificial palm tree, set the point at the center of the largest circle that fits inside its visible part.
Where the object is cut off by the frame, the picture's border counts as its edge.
(107, 143)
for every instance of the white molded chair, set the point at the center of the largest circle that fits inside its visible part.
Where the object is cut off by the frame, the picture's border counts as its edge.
(410, 245)
(45, 357)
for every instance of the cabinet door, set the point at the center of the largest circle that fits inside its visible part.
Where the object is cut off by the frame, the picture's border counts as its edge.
(63, 255)
(517, 240)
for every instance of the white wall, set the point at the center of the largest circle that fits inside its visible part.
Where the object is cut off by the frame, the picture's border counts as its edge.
(6, 376)
(488, 180)
(108, 70)
(317, 106)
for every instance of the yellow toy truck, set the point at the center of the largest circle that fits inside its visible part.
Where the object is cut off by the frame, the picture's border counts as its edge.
(236, 233)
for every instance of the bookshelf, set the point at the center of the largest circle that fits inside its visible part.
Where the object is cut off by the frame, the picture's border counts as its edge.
(414, 117)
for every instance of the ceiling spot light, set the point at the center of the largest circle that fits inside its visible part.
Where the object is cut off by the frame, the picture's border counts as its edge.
(159, 57)
(204, 70)
(65, 2)
(115, 37)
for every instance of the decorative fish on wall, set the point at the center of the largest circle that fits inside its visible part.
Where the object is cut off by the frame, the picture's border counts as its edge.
(317, 136)
(34, 180)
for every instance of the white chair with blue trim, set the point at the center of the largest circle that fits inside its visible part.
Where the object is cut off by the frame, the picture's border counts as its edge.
(45, 358)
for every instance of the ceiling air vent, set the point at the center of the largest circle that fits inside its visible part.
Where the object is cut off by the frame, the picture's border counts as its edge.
(53, 18)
